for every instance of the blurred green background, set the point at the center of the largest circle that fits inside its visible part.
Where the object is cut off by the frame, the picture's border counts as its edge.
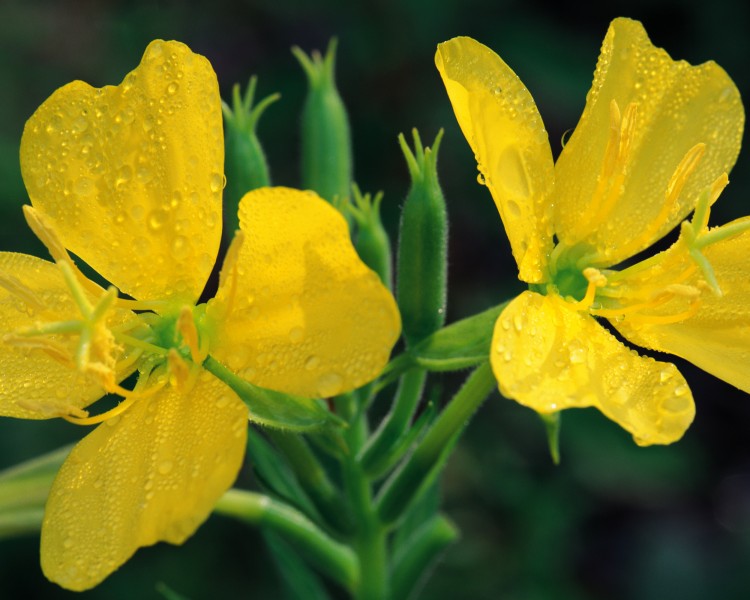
(613, 521)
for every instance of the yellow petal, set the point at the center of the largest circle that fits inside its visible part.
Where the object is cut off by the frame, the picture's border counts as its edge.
(502, 125)
(302, 314)
(677, 107)
(549, 357)
(35, 382)
(151, 475)
(717, 337)
(131, 176)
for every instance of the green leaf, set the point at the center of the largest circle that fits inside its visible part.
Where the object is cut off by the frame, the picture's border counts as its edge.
(298, 581)
(168, 593)
(271, 408)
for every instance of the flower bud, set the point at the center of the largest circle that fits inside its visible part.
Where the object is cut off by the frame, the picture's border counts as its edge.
(245, 162)
(371, 242)
(326, 141)
(422, 245)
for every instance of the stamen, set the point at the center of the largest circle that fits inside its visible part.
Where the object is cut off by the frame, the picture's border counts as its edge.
(229, 268)
(179, 372)
(614, 166)
(53, 349)
(19, 290)
(39, 224)
(187, 329)
(669, 319)
(677, 182)
(596, 280)
(51, 410)
(43, 229)
(130, 396)
(79, 296)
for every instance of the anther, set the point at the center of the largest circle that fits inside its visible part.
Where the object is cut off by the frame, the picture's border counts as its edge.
(186, 328)
(20, 290)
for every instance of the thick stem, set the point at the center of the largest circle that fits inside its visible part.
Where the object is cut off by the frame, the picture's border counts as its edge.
(405, 485)
(332, 558)
(377, 453)
(312, 477)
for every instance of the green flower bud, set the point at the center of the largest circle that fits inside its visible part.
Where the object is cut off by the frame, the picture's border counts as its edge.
(326, 141)
(245, 162)
(372, 242)
(422, 245)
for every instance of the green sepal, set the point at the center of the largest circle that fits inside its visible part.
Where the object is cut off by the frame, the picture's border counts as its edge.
(275, 409)
(371, 242)
(245, 162)
(422, 245)
(326, 139)
(552, 423)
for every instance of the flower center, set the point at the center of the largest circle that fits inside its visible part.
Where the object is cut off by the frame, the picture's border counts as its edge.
(107, 342)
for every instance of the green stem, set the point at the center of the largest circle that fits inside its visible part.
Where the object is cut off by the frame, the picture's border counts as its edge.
(405, 485)
(312, 477)
(422, 551)
(20, 521)
(332, 558)
(378, 451)
(370, 541)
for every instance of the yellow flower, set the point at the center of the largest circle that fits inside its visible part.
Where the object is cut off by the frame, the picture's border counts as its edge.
(129, 179)
(655, 142)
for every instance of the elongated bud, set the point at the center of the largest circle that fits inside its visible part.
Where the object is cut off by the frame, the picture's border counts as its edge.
(422, 245)
(326, 141)
(372, 242)
(245, 162)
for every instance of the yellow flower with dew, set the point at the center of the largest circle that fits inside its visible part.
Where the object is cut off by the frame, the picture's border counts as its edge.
(129, 179)
(655, 143)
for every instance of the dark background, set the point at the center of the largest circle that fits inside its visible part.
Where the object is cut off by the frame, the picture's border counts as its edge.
(613, 520)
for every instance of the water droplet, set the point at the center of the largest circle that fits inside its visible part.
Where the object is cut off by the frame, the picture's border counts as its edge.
(681, 390)
(511, 173)
(124, 175)
(84, 186)
(513, 208)
(296, 335)
(157, 219)
(217, 182)
(329, 385)
(180, 247)
(508, 356)
(172, 88)
(480, 179)
(68, 543)
(165, 467)
(144, 174)
(518, 323)
(222, 401)
(312, 363)
(665, 375)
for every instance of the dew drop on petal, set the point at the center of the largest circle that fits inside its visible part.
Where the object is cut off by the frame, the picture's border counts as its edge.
(312, 363)
(329, 385)
(217, 182)
(296, 335)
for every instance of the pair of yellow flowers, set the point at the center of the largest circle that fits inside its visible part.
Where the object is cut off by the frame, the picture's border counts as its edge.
(128, 178)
